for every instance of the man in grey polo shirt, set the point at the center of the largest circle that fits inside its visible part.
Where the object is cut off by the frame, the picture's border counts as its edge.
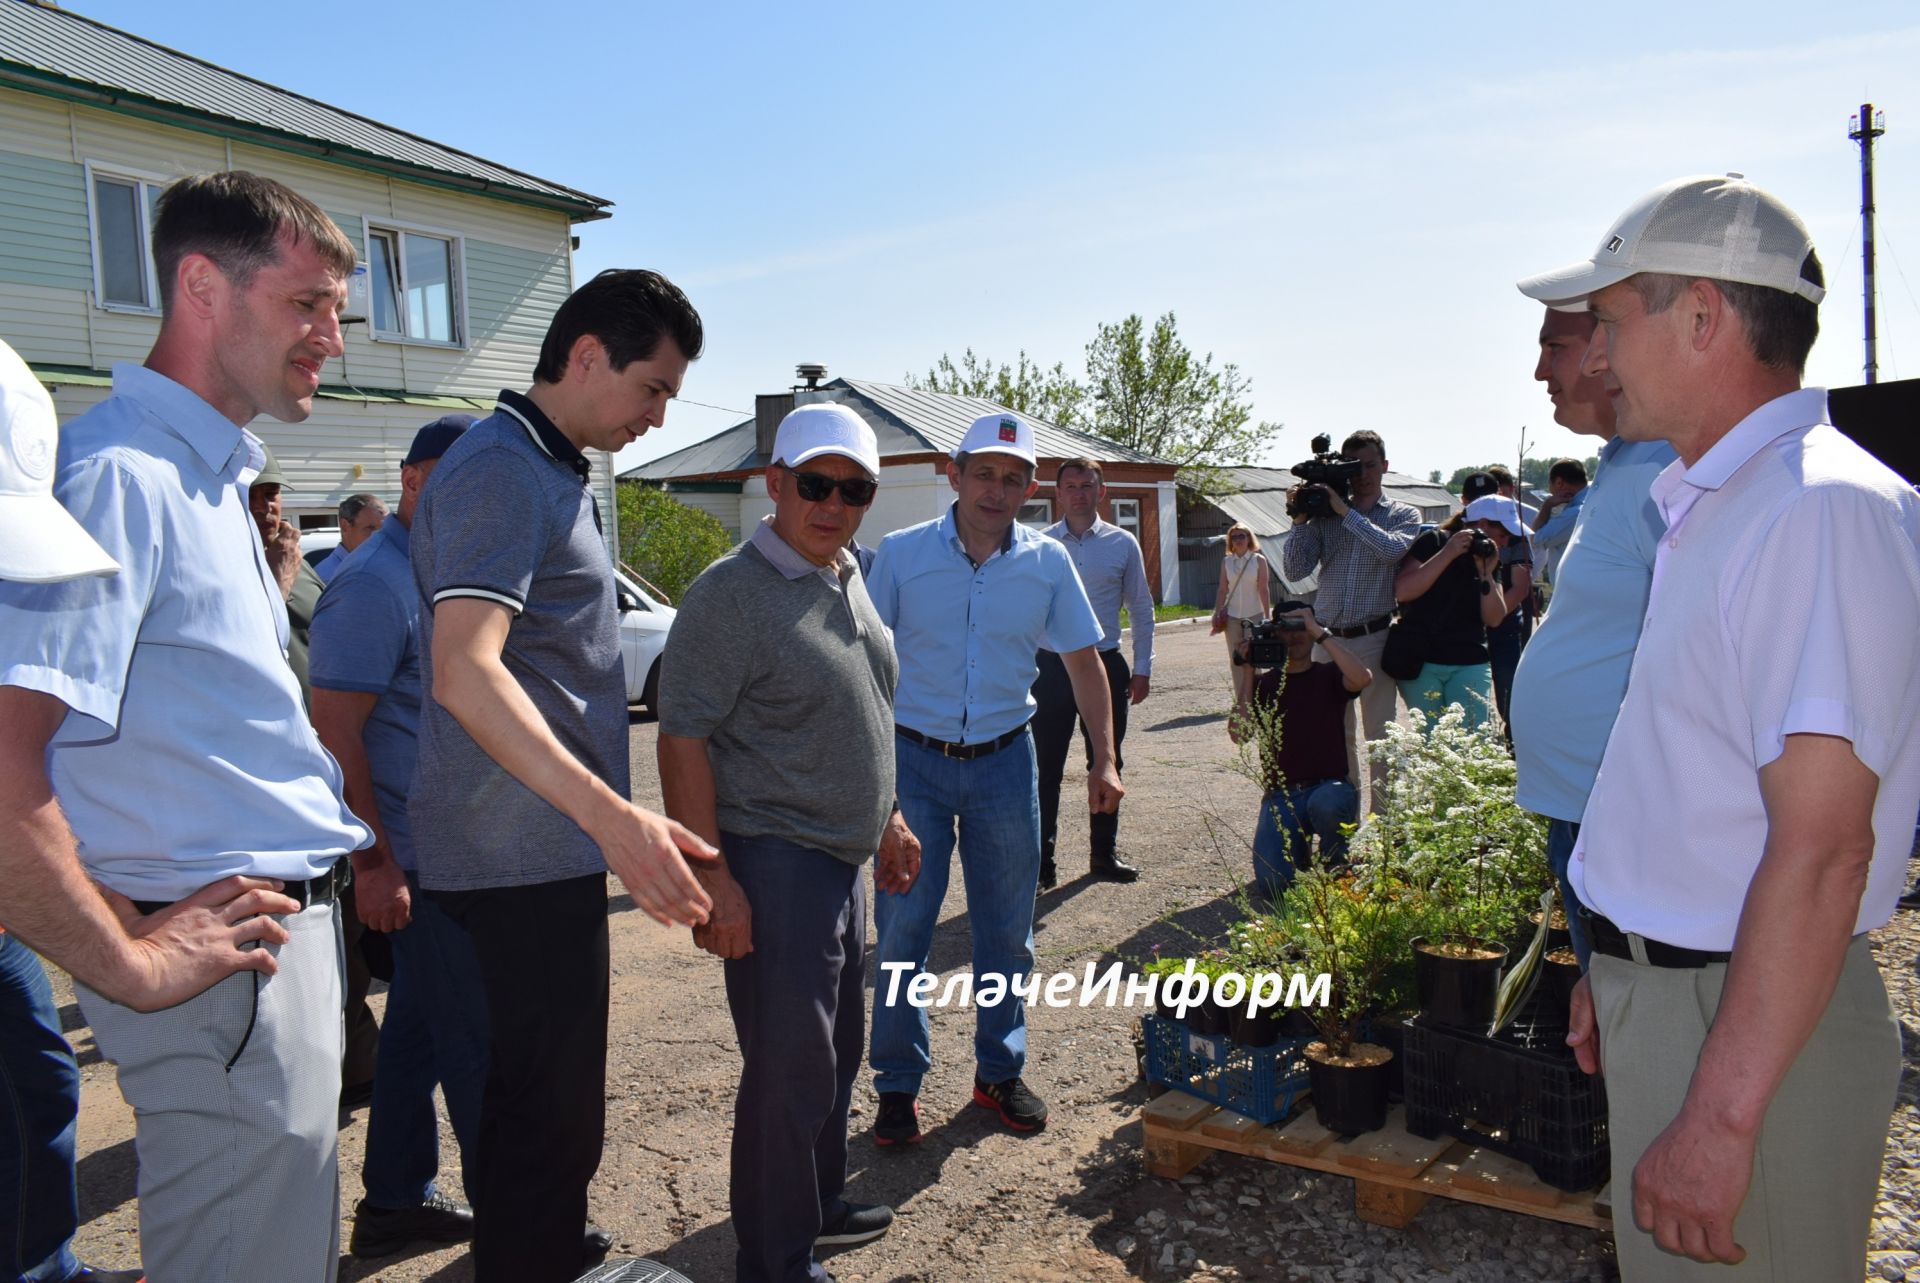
(520, 803)
(776, 744)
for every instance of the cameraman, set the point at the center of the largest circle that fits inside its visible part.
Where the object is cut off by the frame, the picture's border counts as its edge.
(1355, 549)
(1299, 714)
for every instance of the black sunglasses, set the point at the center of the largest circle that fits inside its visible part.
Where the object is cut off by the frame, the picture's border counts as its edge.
(855, 492)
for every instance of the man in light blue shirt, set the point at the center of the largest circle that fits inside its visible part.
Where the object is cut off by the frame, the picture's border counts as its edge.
(157, 711)
(970, 597)
(1573, 675)
(365, 673)
(360, 516)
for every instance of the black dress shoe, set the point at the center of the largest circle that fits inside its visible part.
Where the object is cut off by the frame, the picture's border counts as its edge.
(1049, 875)
(596, 1243)
(382, 1231)
(1113, 870)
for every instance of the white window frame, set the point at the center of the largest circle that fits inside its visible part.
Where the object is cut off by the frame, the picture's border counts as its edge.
(371, 225)
(1132, 527)
(143, 207)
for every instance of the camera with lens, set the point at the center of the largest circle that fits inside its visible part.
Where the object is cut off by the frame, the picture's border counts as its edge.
(1482, 545)
(1325, 469)
(1267, 642)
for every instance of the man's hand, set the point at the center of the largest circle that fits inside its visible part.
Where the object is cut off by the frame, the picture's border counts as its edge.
(1334, 501)
(1104, 789)
(1583, 1031)
(1293, 506)
(188, 947)
(380, 893)
(728, 930)
(1137, 689)
(283, 555)
(898, 863)
(649, 853)
(1688, 1187)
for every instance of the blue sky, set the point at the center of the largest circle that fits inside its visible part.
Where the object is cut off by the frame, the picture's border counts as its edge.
(1338, 201)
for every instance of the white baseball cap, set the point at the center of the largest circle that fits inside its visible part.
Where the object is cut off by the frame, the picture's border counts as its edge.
(826, 427)
(1496, 507)
(1004, 433)
(1720, 227)
(40, 542)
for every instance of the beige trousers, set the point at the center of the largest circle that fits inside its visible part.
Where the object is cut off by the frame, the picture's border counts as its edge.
(1816, 1169)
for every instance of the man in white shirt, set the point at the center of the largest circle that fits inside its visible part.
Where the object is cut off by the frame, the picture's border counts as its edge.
(1751, 818)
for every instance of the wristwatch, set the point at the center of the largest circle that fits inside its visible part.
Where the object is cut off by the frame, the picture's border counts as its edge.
(1486, 587)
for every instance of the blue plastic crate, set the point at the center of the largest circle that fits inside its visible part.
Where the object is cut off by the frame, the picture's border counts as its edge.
(1259, 1082)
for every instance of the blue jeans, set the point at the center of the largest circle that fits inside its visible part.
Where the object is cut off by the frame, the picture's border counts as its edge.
(1438, 685)
(1289, 820)
(995, 804)
(435, 1031)
(1504, 645)
(39, 1098)
(1560, 838)
(798, 1009)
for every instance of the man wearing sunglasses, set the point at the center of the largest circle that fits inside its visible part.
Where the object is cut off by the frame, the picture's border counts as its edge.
(970, 597)
(776, 745)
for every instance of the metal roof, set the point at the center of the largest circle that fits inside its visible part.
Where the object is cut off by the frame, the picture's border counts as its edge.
(1260, 501)
(904, 421)
(48, 50)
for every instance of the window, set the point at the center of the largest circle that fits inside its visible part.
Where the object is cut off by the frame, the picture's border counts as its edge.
(1126, 515)
(1037, 513)
(414, 281)
(123, 209)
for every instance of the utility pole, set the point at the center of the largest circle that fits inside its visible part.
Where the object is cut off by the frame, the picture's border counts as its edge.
(1863, 129)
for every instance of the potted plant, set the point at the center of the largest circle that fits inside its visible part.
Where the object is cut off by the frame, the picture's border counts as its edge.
(1356, 927)
(1267, 943)
(1451, 831)
(1164, 966)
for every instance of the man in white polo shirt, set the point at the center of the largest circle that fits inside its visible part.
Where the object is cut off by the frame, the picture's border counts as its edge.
(1751, 818)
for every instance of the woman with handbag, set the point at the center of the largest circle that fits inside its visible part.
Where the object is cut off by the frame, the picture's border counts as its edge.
(1244, 594)
(1450, 594)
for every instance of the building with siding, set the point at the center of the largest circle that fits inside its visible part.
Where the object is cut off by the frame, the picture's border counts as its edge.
(465, 260)
(917, 432)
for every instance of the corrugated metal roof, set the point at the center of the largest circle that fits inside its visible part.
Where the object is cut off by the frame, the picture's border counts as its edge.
(52, 50)
(1260, 502)
(904, 421)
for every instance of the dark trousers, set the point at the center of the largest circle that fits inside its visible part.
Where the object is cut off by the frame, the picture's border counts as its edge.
(1053, 723)
(799, 1012)
(362, 1056)
(39, 1098)
(543, 959)
(1504, 645)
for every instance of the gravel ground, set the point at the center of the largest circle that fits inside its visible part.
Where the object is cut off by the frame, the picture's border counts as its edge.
(976, 1203)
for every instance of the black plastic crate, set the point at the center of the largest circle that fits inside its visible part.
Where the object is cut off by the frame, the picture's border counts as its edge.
(1259, 1082)
(1518, 1093)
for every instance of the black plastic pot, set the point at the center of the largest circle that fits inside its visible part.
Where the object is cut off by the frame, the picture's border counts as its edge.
(1559, 976)
(1208, 1019)
(1262, 1030)
(1458, 992)
(1557, 937)
(1296, 1023)
(1390, 1031)
(1349, 1099)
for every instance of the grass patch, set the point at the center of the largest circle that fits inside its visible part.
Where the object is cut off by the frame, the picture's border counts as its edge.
(1161, 614)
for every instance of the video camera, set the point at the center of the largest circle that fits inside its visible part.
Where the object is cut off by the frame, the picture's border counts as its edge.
(1325, 469)
(1267, 643)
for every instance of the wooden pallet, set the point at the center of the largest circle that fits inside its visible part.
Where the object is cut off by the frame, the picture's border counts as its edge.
(1394, 1172)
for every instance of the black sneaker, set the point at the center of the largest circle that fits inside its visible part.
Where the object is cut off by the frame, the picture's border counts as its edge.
(856, 1223)
(88, 1274)
(899, 1121)
(1018, 1108)
(382, 1231)
(1049, 875)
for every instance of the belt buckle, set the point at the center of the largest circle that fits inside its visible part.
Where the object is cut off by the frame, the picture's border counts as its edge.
(946, 749)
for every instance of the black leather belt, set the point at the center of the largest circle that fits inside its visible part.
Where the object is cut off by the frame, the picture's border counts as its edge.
(1612, 941)
(961, 752)
(316, 890)
(1361, 630)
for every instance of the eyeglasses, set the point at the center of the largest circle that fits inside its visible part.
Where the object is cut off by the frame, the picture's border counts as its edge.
(855, 492)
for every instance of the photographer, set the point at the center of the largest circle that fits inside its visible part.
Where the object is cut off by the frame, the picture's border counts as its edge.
(1452, 589)
(1354, 546)
(1297, 716)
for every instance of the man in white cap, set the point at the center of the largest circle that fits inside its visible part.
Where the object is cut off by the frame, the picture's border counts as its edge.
(970, 597)
(1754, 808)
(39, 1079)
(776, 745)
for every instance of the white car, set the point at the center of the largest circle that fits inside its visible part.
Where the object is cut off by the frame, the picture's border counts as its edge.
(644, 620)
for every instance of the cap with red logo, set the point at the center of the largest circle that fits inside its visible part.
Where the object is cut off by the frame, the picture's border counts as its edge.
(1002, 433)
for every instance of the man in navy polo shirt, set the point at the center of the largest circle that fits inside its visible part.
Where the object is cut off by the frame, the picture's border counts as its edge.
(365, 671)
(970, 598)
(521, 801)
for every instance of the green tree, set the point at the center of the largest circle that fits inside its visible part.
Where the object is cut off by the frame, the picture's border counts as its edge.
(1053, 395)
(1434, 476)
(1533, 472)
(668, 542)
